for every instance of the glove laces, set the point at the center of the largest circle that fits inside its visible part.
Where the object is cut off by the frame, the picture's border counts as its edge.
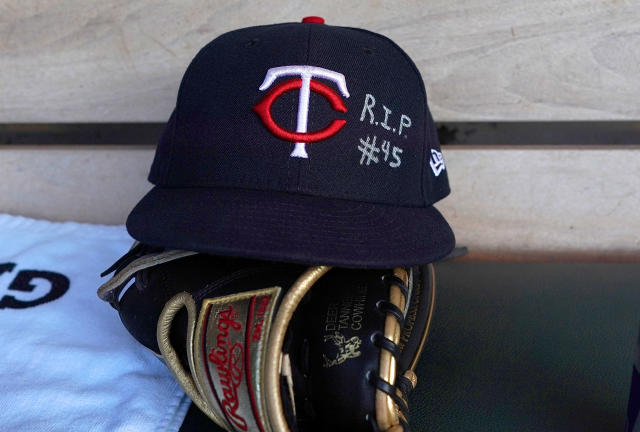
(404, 383)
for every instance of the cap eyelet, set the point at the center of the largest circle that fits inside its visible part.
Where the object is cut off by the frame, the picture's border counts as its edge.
(252, 42)
(367, 50)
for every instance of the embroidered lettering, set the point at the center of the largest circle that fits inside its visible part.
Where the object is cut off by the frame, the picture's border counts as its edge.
(256, 335)
(228, 359)
(305, 83)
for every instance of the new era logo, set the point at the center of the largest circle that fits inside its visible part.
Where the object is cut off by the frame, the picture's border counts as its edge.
(437, 162)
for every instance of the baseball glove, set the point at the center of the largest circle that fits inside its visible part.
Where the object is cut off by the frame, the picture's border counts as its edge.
(263, 346)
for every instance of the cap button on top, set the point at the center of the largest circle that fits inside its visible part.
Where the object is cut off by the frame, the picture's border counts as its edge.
(313, 19)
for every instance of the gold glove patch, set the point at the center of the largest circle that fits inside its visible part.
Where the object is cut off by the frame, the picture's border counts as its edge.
(234, 332)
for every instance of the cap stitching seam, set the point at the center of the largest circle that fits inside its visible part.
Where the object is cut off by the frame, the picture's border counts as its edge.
(167, 169)
(306, 62)
(175, 120)
(173, 137)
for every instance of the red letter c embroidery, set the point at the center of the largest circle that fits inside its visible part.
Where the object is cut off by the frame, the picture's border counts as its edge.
(305, 84)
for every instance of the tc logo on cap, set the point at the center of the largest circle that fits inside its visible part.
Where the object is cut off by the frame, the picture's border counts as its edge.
(305, 84)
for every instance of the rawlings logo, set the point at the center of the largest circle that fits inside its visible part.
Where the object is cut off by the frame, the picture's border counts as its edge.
(347, 349)
(306, 85)
(228, 359)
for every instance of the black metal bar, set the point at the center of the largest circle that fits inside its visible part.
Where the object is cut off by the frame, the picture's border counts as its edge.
(564, 133)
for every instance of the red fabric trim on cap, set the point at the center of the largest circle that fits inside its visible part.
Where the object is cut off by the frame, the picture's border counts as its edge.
(313, 19)
(263, 109)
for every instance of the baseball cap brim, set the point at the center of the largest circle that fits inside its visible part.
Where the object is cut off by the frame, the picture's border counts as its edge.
(280, 226)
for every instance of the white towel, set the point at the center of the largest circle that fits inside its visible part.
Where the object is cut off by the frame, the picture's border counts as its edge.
(66, 362)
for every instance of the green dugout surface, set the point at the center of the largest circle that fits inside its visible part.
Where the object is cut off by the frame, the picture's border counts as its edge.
(529, 347)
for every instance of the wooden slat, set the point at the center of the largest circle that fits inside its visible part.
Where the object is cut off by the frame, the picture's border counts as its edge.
(115, 60)
(576, 202)
(84, 184)
(550, 256)
(552, 200)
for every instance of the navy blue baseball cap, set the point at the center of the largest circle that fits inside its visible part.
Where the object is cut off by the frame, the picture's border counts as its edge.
(299, 142)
